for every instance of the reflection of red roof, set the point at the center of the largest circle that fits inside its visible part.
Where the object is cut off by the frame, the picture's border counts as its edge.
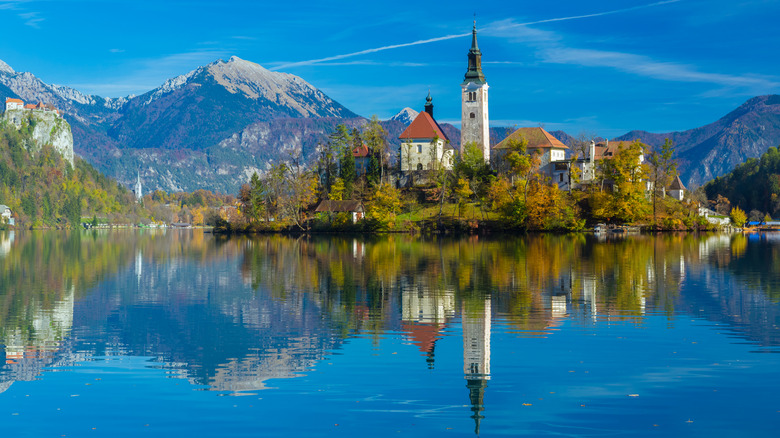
(360, 151)
(423, 126)
(423, 335)
(537, 138)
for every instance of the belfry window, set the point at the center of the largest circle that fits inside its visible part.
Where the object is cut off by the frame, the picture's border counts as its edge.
(472, 116)
(472, 96)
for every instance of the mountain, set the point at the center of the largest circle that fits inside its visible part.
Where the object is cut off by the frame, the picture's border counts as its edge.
(405, 116)
(713, 150)
(178, 136)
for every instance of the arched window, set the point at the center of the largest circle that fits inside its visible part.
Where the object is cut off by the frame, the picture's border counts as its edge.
(472, 115)
(419, 166)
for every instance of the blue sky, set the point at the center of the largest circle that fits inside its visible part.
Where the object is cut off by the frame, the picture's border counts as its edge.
(600, 67)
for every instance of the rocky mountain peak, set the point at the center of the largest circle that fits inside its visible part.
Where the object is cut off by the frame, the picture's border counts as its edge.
(5, 68)
(405, 116)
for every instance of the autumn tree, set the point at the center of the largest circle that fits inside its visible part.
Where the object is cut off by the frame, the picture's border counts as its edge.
(627, 201)
(663, 169)
(738, 217)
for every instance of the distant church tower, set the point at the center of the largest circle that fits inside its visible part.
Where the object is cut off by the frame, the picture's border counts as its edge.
(474, 102)
(138, 189)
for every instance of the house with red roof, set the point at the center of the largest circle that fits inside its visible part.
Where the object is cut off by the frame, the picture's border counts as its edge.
(550, 150)
(362, 158)
(12, 104)
(424, 145)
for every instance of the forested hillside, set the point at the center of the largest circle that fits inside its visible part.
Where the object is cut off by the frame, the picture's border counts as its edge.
(44, 190)
(753, 185)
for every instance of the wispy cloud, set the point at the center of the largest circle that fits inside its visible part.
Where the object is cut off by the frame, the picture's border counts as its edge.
(461, 35)
(661, 70)
(117, 50)
(31, 19)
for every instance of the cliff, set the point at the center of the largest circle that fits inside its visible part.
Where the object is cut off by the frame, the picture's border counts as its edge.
(45, 127)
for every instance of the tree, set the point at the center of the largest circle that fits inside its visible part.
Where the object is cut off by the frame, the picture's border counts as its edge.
(337, 190)
(627, 202)
(663, 169)
(738, 217)
(333, 153)
(375, 137)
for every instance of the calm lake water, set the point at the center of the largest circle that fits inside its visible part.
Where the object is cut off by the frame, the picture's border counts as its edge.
(181, 333)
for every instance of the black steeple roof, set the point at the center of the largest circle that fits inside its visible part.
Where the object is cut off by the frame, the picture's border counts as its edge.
(474, 72)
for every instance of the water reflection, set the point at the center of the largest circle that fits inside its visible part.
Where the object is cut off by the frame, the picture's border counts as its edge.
(233, 314)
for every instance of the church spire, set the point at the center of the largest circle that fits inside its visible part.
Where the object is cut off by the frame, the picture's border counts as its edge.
(474, 72)
(429, 104)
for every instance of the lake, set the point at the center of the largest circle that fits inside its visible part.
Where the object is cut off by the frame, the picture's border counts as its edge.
(181, 333)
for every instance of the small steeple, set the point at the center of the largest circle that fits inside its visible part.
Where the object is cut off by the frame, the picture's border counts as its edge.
(429, 104)
(474, 72)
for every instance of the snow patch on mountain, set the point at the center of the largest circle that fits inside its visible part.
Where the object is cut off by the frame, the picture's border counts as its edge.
(405, 116)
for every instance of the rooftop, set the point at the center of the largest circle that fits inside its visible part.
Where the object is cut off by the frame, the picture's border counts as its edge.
(537, 138)
(423, 126)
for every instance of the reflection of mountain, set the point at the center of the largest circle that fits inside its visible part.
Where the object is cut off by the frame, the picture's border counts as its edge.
(233, 313)
(202, 318)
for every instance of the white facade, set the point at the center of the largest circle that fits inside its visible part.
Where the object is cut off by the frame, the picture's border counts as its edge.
(677, 194)
(475, 126)
(426, 154)
(13, 105)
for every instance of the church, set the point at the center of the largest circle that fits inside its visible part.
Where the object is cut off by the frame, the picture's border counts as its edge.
(425, 146)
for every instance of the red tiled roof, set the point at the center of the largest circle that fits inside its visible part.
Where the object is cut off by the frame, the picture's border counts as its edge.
(537, 138)
(360, 151)
(423, 126)
(11, 99)
(606, 150)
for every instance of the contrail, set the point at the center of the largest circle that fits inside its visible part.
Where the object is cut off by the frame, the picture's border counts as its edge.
(461, 35)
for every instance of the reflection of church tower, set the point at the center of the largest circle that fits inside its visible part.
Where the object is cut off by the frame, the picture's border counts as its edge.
(476, 354)
(474, 125)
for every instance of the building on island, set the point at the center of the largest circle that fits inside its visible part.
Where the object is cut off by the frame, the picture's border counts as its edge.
(475, 126)
(362, 158)
(677, 189)
(550, 151)
(424, 145)
(354, 208)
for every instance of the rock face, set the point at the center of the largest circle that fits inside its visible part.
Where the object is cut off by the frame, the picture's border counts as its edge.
(48, 128)
(180, 134)
(715, 149)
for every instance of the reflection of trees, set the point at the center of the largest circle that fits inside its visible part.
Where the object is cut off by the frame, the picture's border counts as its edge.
(232, 313)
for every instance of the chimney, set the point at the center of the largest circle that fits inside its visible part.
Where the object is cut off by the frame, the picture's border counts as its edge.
(592, 151)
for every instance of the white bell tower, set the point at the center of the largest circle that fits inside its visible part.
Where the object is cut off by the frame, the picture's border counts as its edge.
(474, 125)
